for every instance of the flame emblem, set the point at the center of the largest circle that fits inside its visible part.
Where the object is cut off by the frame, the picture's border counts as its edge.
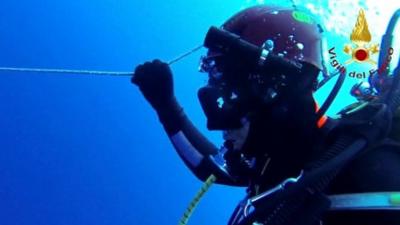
(360, 50)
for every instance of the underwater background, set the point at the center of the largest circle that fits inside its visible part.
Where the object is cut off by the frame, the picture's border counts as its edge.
(78, 149)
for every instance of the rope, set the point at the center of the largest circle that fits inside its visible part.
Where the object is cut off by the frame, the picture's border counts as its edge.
(90, 72)
(193, 204)
(185, 55)
(65, 71)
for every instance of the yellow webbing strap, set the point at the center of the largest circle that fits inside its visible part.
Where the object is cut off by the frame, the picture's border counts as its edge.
(193, 204)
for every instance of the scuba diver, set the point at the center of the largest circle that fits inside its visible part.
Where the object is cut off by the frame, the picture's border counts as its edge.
(263, 64)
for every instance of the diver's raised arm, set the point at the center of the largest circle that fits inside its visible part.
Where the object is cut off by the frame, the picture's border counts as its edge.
(156, 83)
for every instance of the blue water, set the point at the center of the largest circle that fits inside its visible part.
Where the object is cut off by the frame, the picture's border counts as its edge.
(89, 150)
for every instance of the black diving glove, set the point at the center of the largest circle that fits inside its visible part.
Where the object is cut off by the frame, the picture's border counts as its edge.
(154, 80)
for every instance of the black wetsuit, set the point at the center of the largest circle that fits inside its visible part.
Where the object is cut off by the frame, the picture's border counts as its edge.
(374, 171)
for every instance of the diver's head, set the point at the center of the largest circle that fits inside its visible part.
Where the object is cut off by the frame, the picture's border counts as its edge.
(240, 85)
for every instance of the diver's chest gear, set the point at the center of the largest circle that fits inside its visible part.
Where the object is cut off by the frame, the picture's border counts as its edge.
(303, 201)
(247, 205)
(360, 129)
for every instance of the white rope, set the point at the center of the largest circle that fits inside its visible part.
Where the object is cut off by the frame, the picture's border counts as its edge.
(65, 71)
(185, 55)
(89, 72)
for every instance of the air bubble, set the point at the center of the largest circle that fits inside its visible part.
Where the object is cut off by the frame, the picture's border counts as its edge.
(220, 102)
(300, 46)
(234, 96)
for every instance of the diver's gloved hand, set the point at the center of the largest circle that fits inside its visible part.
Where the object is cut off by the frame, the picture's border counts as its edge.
(154, 80)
